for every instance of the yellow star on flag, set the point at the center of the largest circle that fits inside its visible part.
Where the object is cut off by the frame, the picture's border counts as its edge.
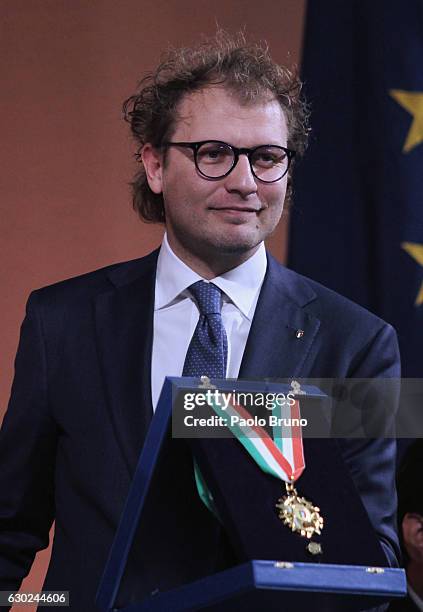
(415, 250)
(412, 101)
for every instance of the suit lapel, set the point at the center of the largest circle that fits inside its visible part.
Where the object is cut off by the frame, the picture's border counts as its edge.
(282, 332)
(124, 326)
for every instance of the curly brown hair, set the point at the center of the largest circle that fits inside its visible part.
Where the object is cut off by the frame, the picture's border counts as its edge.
(245, 68)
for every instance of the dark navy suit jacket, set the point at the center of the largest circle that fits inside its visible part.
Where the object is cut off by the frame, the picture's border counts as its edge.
(403, 605)
(81, 404)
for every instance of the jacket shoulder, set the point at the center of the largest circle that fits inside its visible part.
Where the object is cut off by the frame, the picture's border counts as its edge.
(349, 333)
(86, 286)
(327, 304)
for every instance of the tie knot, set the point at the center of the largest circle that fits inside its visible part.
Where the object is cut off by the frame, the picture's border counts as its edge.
(208, 297)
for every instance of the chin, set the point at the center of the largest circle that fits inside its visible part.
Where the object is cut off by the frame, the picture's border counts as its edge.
(237, 247)
(240, 239)
(235, 244)
(215, 245)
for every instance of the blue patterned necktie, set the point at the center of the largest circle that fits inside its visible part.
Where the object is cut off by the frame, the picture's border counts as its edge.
(208, 350)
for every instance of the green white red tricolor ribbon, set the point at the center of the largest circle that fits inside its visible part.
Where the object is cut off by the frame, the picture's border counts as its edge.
(281, 456)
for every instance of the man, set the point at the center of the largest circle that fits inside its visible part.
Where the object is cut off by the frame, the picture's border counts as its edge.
(410, 522)
(217, 127)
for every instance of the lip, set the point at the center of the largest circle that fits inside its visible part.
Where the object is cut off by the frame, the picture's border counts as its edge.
(235, 209)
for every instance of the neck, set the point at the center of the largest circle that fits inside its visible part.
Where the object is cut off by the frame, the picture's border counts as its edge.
(415, 577)
(209, 267)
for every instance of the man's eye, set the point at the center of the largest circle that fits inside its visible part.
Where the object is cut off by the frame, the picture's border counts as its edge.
(268, 158)
(213, 154)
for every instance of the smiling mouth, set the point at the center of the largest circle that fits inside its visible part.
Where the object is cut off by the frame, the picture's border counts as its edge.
(236, 209)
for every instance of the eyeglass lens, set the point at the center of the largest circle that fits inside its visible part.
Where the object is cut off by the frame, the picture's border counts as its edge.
(269, 163)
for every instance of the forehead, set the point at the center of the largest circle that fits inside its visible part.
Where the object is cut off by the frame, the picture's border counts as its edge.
(215, 113)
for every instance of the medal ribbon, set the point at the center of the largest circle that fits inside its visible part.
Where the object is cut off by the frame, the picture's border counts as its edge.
(282, 456)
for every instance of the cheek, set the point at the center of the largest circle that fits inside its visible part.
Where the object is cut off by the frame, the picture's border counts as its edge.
(274, 196)
(187, 196)
(182, 204)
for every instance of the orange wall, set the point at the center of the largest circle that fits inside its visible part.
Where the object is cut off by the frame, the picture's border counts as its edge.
(65, 157)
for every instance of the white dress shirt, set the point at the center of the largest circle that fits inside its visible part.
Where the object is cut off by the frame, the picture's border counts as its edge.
(176, 313)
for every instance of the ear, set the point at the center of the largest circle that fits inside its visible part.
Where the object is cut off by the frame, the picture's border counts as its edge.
(412, 531)
(153, 165)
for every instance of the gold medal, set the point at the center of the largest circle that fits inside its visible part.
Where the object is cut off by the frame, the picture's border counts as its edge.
(299, 514)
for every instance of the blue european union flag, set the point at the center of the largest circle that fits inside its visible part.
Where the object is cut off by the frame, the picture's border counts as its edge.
(357, 221)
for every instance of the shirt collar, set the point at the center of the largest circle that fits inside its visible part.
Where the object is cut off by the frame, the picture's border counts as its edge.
(241, 284)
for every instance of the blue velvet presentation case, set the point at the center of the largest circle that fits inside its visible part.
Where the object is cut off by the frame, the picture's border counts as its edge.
(157, 561)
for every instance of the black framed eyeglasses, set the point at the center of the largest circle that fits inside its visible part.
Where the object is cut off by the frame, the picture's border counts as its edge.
(215, 159)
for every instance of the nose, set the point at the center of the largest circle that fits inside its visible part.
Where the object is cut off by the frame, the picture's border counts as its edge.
(241, 180)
